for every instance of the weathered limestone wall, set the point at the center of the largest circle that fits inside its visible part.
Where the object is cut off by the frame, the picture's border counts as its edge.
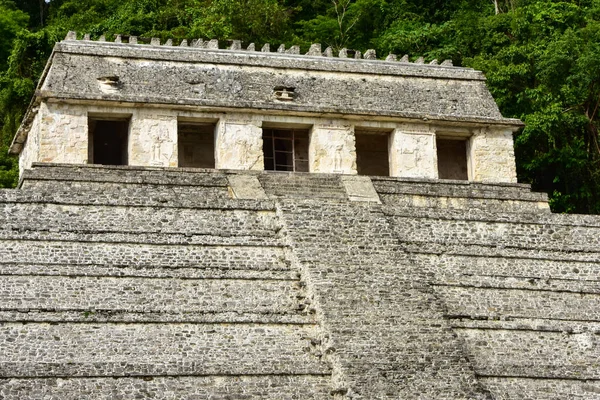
(412, 152)
(239, 143)
(31, 149)
(153, 138)
(332, 148)
(492, 156)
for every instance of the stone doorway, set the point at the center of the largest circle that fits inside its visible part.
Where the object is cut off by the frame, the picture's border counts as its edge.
(286, 149)
(452, 158)
(196, 145)
(108, 141)
(372, 153)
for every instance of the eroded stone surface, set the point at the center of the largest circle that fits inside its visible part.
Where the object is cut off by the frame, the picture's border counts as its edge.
(246, 187)
(360, 188)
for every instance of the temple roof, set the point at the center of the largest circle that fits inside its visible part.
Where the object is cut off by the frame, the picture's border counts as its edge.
(204, 75)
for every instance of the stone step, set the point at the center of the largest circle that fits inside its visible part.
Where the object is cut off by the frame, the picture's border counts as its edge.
(148, 271)
(150, 295)
(475, 215)
(515, 388)
(505, 234)
(107, 350)
(95, 218)
(533, 354)
(123, 175)
(495, 303)
(130, 255)
(24, 315)
(385, 322)
(455, 189)
(346, 232)
(267, 387)
(518, 283)
(302, 185)
(529, 269)
(579, 258)
(523, 324)
(142, 238)
(132, 193)
(454, 203)
(155, 196)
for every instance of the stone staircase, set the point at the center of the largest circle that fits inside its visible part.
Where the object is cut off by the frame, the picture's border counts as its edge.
(120, 283)
(459, 195)
(386, 333)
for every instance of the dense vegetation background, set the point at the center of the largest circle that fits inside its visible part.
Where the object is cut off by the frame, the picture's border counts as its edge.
(541, 59)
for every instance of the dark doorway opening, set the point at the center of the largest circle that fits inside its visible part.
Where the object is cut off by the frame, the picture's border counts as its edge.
(196, 145)
(108, 141)
(286, 149)
(452, 159)
(372, 153)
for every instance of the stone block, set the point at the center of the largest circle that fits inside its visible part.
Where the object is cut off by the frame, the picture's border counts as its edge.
(31, 149)
(282, 387)
(332, 149)
(492, 157)
(246, 187)
(239, 145)
(153, 139)
(413, 152)
(360, 188)
(63, 136)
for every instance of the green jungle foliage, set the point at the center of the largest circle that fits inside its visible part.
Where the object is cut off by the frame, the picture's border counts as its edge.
(541, 59)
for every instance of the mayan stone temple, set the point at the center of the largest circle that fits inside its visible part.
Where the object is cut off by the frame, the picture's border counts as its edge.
(208, 220)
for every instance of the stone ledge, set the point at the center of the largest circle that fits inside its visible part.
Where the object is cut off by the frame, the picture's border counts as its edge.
(485, 268)
(238, 271)
(141, 295)
(449, 182)
(504, 303)
(132, 197)
(524, 218)
(147, 220)
(91, 316)
(121, 349)
(454, 188)
(125, 174)
(523, 324)
(91, 236)
(519, 283)
(260, 387)
(498, 251)
(173, 255)
(541, 388)
(532, 353)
